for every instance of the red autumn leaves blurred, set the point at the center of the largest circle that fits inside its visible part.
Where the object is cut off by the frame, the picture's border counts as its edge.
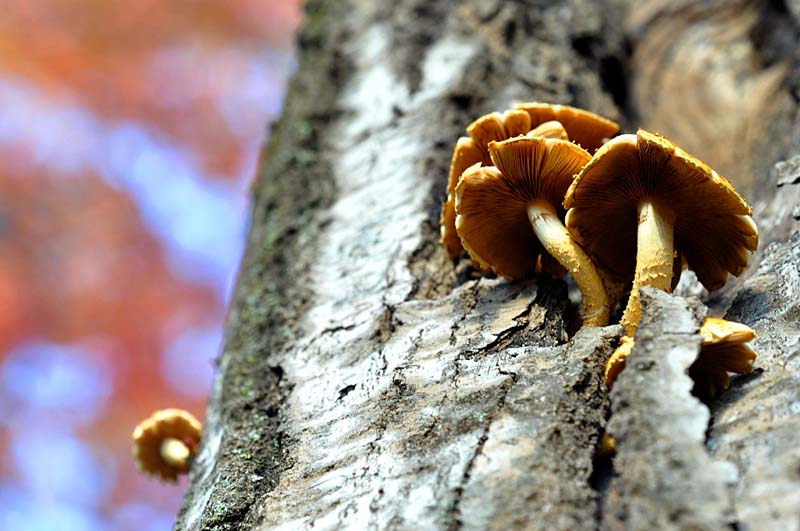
(86, 256)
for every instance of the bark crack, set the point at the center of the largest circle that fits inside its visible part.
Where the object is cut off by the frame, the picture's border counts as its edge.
(469, 299)
(454, 512)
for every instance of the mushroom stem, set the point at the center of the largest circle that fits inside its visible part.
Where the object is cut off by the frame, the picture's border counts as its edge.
(654, 258)
(555, 238)
(175, 453)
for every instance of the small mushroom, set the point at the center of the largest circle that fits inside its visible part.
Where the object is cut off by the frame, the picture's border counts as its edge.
(587, 129)
(165, 443)
(723, 350)
(606, 446)
(642, 200)
(507, 214)
(475, 149)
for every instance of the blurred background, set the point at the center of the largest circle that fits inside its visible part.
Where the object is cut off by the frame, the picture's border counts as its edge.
(129, 132)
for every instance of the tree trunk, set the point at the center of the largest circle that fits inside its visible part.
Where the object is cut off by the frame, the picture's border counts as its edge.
(369, 382)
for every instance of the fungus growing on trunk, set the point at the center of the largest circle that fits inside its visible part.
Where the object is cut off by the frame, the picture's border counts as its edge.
(475, 149)
(724, 350)
(535, 119)
(641, 200)
(509, 213)
(165, 443)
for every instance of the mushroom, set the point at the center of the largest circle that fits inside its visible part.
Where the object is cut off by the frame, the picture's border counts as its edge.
(585, 128)
(165, 443)
(606, 446)
(536, 119)
(641, 200)
(509, 212)
(475, 149)
(551, 129)
(723, 350)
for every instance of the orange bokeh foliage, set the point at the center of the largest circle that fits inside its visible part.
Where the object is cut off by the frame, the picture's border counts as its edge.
(105, 56)
(78, 263)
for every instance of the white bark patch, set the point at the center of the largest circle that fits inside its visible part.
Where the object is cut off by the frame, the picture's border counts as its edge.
(351, 462)
(375, 90)
(443, 65)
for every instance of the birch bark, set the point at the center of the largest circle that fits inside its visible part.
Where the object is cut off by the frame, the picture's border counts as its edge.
(369, 383)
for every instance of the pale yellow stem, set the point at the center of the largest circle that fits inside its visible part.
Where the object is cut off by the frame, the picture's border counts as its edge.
(175, 453)
(654, 258)
(555, 238)
(616, 363)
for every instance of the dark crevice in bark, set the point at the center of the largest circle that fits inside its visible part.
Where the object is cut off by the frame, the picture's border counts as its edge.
(776, 36)
(555, 321)
(346, 390)
(610, 58)
(589, 388)
(467, 301)
(385, 324)
(613, 72)
(776, 33)
(600, 481)
(603, 471)
(503, 340)
(410, 38)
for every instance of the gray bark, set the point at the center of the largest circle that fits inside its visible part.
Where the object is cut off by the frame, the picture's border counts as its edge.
(665, 477)
(368, 382)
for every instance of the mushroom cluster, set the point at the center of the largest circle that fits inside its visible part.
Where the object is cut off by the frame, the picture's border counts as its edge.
(548, 188)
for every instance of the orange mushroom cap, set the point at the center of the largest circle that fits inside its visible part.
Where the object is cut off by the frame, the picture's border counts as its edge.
(475, 149)
(713, 230)
(583, 127)
(535, 119)
(724, 350)
(492, 201)
(551, 129)
(464, 156)
(172, 427)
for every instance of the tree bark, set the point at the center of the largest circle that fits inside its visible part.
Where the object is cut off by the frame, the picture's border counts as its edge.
(369, 382)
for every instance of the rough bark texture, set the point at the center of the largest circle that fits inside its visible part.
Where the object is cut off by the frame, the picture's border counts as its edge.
(665, 478)
(368, 382)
